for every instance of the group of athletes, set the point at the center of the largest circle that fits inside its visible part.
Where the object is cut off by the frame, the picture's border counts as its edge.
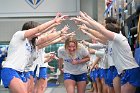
(113, 68)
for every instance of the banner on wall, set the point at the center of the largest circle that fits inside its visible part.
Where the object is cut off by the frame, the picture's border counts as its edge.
(33, 8)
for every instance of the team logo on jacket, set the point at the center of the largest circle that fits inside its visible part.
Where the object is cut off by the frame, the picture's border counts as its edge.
(34, 3)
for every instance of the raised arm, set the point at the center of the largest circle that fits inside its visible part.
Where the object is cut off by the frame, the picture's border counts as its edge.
(97, 26)
(94, 46)
(93, 37)
(94, 33)
(54, 41)
(50, 28)
(52, 36)
(31, 32)
(48, 57)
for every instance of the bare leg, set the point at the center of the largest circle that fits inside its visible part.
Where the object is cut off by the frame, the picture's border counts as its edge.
(110, 89)
(41, 85)
(128, 88)
(117, 84)
(70, 85)
(99, 86)
(31, 84)
(35, 87)
(104, 86)
(81, 87)
(17, 86)
(95, 87)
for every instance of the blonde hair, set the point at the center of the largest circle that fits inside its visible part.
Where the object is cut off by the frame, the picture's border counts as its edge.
(71, 39)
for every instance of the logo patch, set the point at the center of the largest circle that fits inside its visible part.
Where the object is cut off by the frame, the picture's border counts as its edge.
(34, 3)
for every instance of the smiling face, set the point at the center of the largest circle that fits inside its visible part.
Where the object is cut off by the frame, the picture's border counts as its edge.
(71, 45)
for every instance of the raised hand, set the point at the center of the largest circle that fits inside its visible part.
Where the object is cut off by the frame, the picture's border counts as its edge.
(65, 36)
(64, 30)
(71, 34)
(88, 16)
(83, 26)
(77, 20)
(58, 15)
(83, 15)
(84, 31)
(59, 18)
